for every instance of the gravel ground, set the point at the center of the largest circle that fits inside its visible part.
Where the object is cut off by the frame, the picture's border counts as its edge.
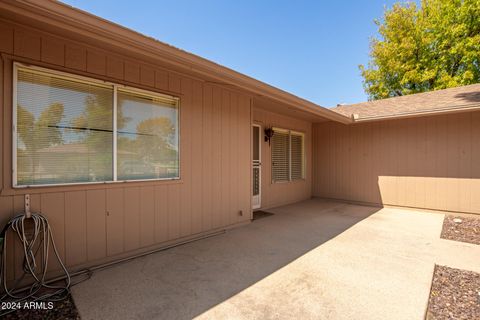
(455, 294)
(461, 228)
(64, 310)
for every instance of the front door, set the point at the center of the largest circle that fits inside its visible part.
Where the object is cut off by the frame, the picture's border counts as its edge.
(256, 166)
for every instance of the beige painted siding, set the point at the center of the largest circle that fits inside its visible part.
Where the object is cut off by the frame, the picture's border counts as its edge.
(425, 162)
(276, 194)
(99, 223)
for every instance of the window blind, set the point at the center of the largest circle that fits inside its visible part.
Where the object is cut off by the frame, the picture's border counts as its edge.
(64, 130)
(297, 156)
(147, 137)
(288, 155)
(280, 156)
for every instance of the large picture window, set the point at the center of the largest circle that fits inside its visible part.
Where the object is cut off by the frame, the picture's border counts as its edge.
(71, 129)
(288, 155)
(147, 137)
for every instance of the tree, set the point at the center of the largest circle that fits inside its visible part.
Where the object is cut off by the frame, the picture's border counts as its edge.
(94, 128)
(153, 139)
(433, 47)
(42, 132)
(97, 117)
(36, 134)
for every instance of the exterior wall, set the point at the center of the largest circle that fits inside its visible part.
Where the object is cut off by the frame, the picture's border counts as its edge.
(277, 194)
(97, 223)
(425, 162)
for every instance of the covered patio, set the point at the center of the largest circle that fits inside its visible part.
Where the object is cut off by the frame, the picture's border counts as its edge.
(311, 260)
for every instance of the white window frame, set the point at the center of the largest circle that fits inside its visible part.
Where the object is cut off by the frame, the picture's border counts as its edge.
(115, 86)
(304, 163)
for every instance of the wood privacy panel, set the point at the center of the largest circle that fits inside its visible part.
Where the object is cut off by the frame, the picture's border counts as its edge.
(101, 222)
(281, 193)
(426, 162)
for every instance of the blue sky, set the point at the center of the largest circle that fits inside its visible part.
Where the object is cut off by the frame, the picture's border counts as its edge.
(309, 48)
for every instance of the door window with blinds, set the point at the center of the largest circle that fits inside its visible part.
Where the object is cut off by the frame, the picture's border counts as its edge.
(71, 129)
(288, 155)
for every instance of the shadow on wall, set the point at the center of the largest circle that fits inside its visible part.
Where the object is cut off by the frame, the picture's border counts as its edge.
(186, 281)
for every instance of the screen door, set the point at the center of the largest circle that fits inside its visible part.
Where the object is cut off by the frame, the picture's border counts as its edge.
(256, 166)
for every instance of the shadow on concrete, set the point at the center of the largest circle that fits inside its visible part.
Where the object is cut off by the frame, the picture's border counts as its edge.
(186, 281)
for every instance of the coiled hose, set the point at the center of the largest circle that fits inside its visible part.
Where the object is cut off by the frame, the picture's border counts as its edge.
(36, 238)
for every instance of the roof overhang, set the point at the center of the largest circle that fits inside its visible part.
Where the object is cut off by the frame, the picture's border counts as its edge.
(59, 18)
(424, 113)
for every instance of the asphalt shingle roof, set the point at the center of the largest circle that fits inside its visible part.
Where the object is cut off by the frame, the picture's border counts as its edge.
(439, 100)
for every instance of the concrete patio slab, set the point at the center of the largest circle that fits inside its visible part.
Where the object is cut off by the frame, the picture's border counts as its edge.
(311, 260)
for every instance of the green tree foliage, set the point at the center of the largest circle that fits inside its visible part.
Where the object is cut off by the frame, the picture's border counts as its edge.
(153, 139)
(36, 134)
(96, 117)
(43, 132)
(433, 47)
(95, 127)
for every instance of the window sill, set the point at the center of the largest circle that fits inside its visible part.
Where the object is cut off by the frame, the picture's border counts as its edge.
(291, 181)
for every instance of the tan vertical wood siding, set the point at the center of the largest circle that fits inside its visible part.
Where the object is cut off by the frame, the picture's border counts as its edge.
(276, 194)
(425, 162)
(98, 223)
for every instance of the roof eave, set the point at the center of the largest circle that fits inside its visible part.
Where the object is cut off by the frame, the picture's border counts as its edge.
(432, 112)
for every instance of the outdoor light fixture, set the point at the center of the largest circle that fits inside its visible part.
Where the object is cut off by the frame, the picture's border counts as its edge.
(268, 134)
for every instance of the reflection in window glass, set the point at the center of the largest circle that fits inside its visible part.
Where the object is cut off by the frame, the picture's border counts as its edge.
(64, 130)
(147, 137)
